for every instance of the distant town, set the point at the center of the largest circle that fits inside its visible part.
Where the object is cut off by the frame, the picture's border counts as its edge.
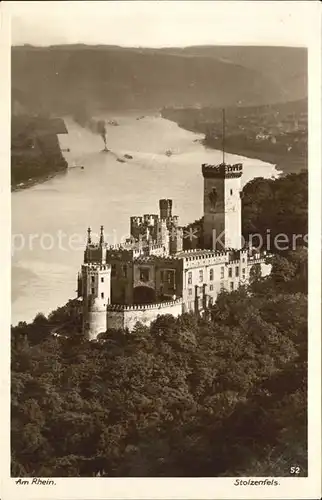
(274, 133)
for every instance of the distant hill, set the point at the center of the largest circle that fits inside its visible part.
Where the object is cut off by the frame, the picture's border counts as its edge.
(285, 66)
(63, 79)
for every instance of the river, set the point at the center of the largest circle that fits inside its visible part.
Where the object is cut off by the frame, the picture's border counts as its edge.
(50, 220)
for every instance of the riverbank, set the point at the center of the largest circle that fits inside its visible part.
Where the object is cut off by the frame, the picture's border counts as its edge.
(274, 134)
(36, 154)
(107, 193)
(283, 163)
(37, 180)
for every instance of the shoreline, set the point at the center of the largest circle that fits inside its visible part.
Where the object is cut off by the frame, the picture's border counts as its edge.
(281, 163)
(35, 181)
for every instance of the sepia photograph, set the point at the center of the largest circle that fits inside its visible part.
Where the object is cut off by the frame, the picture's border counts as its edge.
(159, 175)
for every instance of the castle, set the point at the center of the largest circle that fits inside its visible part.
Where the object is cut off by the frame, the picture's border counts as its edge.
(151, 273)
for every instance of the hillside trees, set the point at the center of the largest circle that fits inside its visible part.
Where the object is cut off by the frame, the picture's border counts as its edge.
(187, 396)
(184, 397)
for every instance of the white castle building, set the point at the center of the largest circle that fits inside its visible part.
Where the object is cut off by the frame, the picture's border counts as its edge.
(151, 274)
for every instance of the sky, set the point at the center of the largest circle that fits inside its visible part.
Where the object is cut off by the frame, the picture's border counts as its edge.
(161, 23)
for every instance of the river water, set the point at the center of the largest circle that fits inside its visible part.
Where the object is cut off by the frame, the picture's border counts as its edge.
(50, 220)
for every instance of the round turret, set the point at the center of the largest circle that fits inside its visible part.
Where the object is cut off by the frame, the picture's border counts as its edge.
(96, 318)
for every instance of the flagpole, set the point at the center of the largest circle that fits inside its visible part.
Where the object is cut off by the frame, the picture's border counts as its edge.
(223, 136)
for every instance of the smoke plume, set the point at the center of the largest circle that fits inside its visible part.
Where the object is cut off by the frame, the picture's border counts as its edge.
(83, 118)
(101, 129)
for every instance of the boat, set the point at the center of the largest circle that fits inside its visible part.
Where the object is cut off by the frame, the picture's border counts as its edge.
(168, 152)
(75, 165)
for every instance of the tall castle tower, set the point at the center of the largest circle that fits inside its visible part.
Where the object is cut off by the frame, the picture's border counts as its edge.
(222, 226)
(94, 285)
(222, 206)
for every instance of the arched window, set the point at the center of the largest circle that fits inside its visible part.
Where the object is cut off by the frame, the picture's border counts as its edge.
(213, 196)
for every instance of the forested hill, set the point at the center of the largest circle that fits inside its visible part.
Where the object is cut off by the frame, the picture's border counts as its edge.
(61, 78)
(286, 66)
(221, 396)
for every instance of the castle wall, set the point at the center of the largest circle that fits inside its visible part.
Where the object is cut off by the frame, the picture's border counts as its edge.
(121, 283)
(211, 273)
(222, 206)
(128, 316)
(96, 281)
(169, 278)
(264, 267)
(96, 323)
(144, 274)
(214, 210)
(233, 210)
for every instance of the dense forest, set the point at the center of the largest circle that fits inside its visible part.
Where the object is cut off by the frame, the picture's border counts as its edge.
(221, 395)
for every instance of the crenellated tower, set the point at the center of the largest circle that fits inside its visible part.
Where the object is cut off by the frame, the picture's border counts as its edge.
(94, 286)
(222, 228)
(165, 209)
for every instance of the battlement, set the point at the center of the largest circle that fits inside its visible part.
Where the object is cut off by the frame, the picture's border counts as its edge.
(155, 246)
(123, 252)
(144, 307)
(95, 246)
(256, 260)
(92, 266)
(223, 170)
(136, 220)
(153, 258)
(150, 219)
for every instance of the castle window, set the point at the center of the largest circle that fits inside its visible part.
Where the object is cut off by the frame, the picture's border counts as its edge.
(200, 276)
(93, 279)
(222, 272)
(93, 291)
(189, 291)
(211, 274)
(231, 192)
(243, 260)
(190, 278)
(211, 287)
(244, 271)
(124, 271)
(230, 272)
(113, 272)
(200, 289)
(102, 280)
(171, 278)
(237, 272)
(231, 285)
(222, 287)
(144, 274)
(102, 295)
